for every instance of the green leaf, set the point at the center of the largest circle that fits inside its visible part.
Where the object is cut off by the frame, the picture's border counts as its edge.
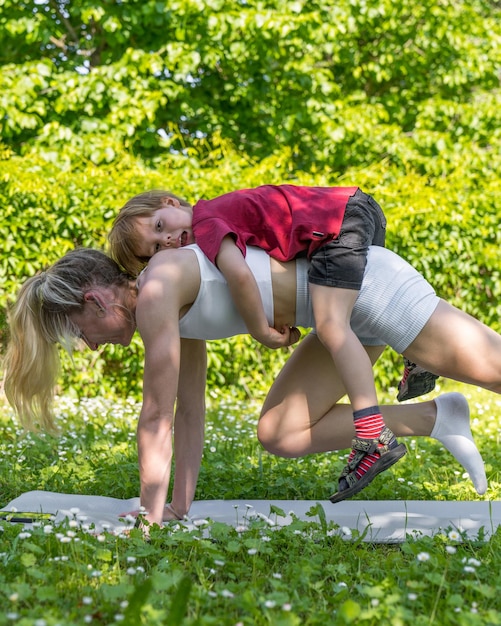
(28, 559)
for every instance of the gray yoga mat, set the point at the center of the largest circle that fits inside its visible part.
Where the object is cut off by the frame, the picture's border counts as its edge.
(384, 521)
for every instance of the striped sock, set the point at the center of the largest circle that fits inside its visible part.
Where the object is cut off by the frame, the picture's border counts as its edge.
(368, 422)
(368, 425)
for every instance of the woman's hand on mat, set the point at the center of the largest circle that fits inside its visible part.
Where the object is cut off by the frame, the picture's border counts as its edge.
(169, 514)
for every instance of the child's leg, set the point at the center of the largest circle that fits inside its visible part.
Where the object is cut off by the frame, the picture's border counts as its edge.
(375, 447)
(335, 277)
(332, 308)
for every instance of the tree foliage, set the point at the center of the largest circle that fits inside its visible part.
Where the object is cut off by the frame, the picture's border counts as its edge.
(337, 83)
(102, 100)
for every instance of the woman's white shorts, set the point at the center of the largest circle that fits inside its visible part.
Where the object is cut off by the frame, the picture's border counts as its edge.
(393, 305)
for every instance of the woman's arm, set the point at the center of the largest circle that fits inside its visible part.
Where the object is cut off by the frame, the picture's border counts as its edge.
(189, 424)
(170, 283)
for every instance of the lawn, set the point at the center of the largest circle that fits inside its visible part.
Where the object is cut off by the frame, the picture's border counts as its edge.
(305, 573)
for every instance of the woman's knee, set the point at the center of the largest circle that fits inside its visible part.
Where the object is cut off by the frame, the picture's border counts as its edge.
(270, 438)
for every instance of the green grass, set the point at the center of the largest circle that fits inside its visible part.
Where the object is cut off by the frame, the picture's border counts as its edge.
(305, 573)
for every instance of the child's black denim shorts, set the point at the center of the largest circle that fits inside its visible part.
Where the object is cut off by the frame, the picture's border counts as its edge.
(341, 262)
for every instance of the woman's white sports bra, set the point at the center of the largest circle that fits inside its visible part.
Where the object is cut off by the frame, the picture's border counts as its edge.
(213, 314)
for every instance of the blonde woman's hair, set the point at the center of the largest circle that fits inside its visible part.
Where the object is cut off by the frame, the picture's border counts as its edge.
(39, 320)
(124, 238)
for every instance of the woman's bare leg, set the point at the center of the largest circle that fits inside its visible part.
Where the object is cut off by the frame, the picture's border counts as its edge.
(455, 345)
(301, 414)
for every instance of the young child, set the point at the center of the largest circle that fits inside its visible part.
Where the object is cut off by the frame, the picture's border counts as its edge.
(333, 226)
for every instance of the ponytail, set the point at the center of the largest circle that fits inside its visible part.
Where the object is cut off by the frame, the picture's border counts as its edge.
(39, 319)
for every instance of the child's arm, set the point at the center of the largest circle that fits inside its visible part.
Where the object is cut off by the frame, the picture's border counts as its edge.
(247, 299)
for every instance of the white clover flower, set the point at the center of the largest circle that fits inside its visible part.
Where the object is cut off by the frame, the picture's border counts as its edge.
(270, 604)
(423, 556)
(474, 562)
(252, 551)
(71, 533)
(454, 535)
(226, 593)
(265, 518)
(469, 570)
(65, 539)
(40, 622)
(241, 528)
(48, 529)
(266, 538)
(74, 510)
(88, 619)
(286, 607)
(101, 538)
(277, 575)
(346, 531)
(451, 549)
(131, 559)
(14, 597)
(219, 562)
(124, 604)
(131, 571)
(375, 602)
(86, 600)
(24, 535)
(119, 617)
(212, 594)
(11, 615)
(412, 596)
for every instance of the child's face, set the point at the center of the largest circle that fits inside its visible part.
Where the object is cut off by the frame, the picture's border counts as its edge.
(168, 227)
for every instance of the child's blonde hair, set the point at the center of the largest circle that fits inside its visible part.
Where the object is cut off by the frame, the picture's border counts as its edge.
(124, 238)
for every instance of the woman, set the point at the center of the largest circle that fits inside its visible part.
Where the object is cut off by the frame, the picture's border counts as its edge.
(181, 299)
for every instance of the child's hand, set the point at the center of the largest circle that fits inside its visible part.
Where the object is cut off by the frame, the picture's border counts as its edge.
(282, 338)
